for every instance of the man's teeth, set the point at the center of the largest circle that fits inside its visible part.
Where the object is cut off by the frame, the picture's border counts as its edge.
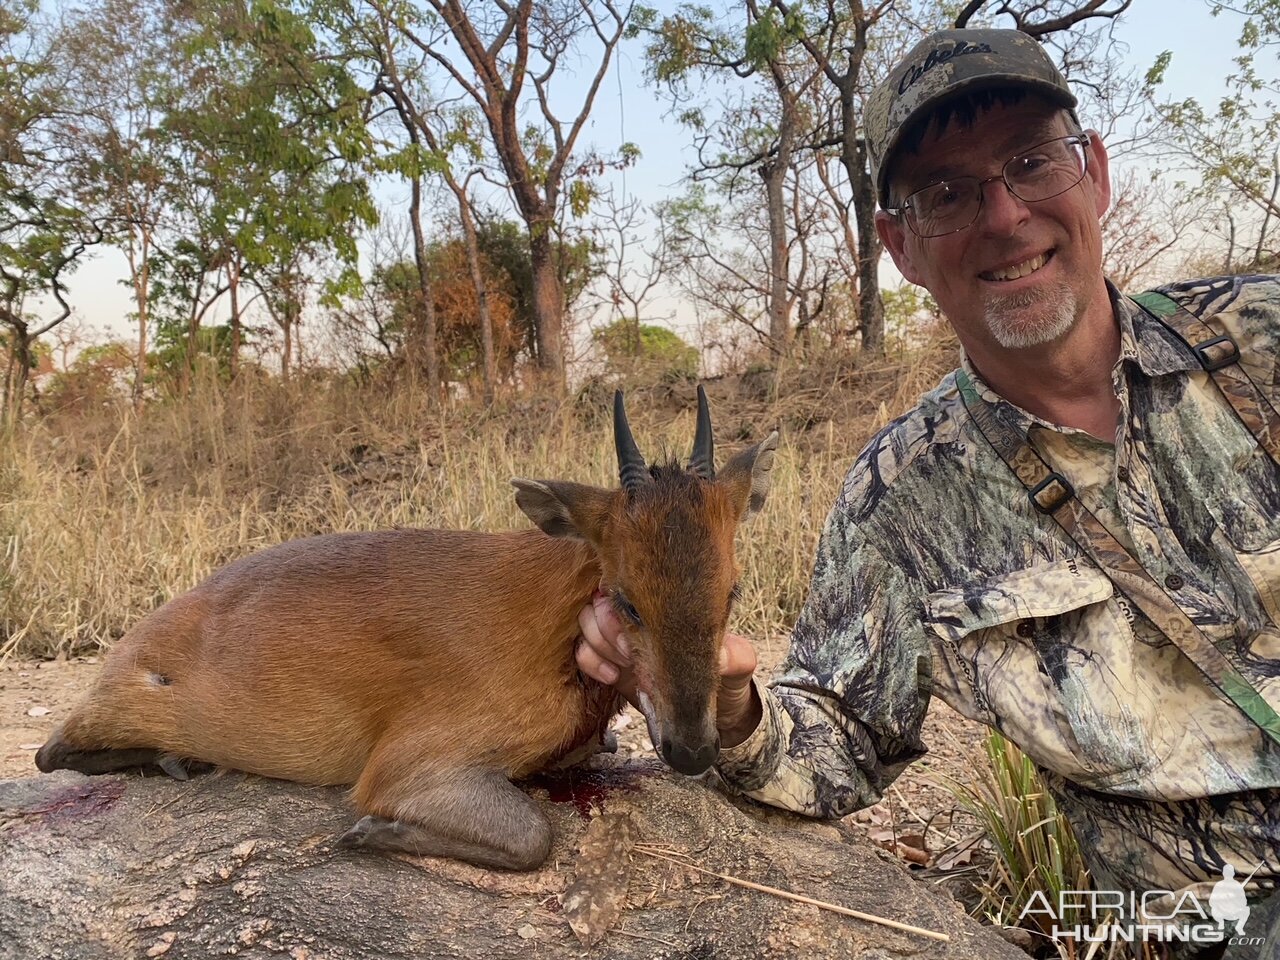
(1018, 269)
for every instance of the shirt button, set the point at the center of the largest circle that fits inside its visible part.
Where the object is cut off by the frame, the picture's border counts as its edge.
(1026, 629)
(1122, 474)
(1174, 582)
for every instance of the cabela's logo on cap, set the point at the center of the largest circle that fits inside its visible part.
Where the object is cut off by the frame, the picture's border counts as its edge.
(938, 56)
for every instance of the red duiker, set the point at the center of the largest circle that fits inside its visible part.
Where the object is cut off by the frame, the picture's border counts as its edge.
(430, 668)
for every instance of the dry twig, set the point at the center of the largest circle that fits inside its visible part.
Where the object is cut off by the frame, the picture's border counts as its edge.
(799, 898)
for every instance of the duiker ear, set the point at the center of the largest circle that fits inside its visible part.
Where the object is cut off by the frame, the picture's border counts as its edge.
(747, 475)
(563, 509)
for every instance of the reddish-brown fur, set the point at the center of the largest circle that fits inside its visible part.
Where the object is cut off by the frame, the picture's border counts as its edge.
(297, 661)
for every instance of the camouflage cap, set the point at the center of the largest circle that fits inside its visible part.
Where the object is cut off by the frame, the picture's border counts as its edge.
(947, 63)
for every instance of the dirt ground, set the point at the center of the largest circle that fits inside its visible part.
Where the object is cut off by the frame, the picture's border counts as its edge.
(34, 697)
(918, 820)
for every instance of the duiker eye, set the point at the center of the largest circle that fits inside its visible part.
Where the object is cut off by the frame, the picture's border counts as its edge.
(624, 607)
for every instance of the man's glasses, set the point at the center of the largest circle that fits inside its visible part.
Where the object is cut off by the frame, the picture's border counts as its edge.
(1036, 174)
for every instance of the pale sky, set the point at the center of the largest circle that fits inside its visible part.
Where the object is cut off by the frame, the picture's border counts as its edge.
(1203, 46)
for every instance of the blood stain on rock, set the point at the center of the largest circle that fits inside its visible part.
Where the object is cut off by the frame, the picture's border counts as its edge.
(79, 802)
(585, 789)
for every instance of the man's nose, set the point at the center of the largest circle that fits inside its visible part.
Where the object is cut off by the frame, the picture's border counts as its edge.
(1002, 212)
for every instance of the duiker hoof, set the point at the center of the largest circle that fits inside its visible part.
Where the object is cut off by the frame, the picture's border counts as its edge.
(359, 833)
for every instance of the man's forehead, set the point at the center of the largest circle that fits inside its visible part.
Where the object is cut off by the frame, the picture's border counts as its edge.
(995, 134)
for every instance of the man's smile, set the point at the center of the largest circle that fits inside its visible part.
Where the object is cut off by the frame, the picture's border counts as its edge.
(1017, 270)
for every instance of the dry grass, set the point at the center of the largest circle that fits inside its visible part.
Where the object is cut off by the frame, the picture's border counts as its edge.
(104, 517)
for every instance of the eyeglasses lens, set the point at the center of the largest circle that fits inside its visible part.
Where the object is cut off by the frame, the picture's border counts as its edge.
(1044, 171)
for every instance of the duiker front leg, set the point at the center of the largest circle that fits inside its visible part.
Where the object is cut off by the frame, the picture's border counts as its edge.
(472, 815)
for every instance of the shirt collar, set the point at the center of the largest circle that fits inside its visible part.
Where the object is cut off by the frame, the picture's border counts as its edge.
(1012, 414)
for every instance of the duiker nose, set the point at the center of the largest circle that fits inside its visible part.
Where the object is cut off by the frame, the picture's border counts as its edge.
(687, 760)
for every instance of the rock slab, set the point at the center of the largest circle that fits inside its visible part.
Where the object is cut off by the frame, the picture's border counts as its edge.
(101, 868)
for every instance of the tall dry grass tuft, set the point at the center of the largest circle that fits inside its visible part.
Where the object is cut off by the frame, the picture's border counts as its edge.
(106, 516)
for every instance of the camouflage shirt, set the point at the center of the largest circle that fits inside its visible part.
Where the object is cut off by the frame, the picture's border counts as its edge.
(936, 576)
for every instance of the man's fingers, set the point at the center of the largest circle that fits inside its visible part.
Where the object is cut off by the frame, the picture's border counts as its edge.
(737, 658)
(602, 652)
(594, 665)
(602, 632)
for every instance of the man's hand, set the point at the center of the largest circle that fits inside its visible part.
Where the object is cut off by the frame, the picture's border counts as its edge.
(604, 653)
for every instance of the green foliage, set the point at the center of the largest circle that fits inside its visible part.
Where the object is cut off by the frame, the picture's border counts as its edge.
(44, 231)
(631, 346)
(581, 193)
(98, 375)
(397, 305)
(642, 19)
(37, 350)
(505, 244)
(906, 307)
(688, 40)
(1232, 144)
(767, 38)
(176, 352)
(272, 129)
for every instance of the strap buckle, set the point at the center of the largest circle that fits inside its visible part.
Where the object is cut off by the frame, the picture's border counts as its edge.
(1051, 493)
(1224, 358)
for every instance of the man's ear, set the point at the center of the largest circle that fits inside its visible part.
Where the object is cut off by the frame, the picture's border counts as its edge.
(893, 233)
(1099, 172)
(748, 474)
(563, 509)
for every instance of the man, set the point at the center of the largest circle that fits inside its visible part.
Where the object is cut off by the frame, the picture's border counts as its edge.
(949, 567)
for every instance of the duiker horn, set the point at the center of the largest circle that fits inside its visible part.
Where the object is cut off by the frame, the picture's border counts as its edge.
(632, 470)
(702, 461)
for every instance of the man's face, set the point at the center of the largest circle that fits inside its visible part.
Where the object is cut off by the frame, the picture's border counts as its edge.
(1023, 273)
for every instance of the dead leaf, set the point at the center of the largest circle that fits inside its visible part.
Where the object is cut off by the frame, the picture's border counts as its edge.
(595, 899)
(884, 836)
(906, 846)
(960, 853)
(955, 858)
(913, 848)
(879, 814)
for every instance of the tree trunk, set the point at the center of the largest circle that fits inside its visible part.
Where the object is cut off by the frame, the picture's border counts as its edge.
(298, 361)
(286, 354)
(548, 303)
(193, 341)
(19, 368)
(140, 273)
(482, 295)
(8, 404)
(233, 287)
(775, 174)
(853, 154)
(429, 359)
